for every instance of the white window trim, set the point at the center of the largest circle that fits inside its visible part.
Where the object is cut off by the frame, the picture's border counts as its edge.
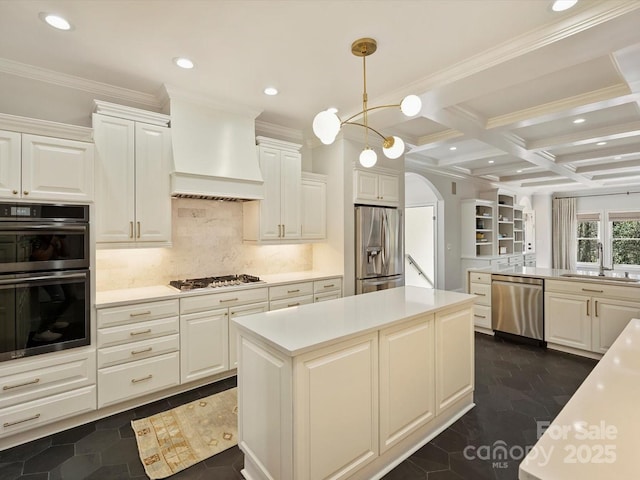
(600, 214)
(609, 257)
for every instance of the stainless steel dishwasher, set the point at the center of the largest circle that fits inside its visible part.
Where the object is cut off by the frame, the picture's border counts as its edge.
(517, 306)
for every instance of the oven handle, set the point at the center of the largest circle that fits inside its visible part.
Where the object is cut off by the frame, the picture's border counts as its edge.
(22, 229)
(28, 280)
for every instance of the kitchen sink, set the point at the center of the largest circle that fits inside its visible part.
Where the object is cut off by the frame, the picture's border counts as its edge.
(596, 277)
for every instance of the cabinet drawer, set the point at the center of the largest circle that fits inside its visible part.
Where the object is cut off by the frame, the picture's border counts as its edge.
(483, 291)
(476, 277)
(593, 288)
(46, 410)
(44, 378)
(139, 312)
(290, 302)
(328, 285)
(135, 351)
(482, 316)
(203, 303)
(323, 297)
(290, 291)
(131, 380)
(108, 337)
(516, 260)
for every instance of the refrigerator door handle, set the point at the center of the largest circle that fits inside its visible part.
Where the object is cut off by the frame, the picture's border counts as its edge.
(383, 236)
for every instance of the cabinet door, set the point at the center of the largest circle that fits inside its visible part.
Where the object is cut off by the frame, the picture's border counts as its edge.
(340, 383)
(568, 320)
(454, 357)
(270, 206)
(290, 170)
(10, 155)
(56, 169)
(609, 318)
(115, 180)
(236, 312)
(314, 210)
(204, 344)
(407, 401)
(388, 188)
(366, 186)
(153, 190)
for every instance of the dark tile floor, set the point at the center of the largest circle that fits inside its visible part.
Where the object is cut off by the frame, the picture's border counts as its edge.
(516, 386)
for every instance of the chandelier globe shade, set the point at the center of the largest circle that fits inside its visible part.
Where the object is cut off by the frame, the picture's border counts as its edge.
(327, 125)
(368, 157)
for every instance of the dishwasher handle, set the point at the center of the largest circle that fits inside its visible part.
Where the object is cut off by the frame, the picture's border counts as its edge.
(517, 279)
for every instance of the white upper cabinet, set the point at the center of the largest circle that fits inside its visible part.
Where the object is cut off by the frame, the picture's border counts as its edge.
(376, 188)
(35, 167)
(276, 218)
(133, 197)
(314, 206)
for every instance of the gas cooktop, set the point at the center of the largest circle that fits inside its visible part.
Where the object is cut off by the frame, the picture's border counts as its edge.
(214, 282)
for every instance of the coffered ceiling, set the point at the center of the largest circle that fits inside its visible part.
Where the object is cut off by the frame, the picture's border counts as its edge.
(502, 82)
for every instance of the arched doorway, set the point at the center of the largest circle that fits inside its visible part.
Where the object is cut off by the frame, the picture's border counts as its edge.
(424, 208)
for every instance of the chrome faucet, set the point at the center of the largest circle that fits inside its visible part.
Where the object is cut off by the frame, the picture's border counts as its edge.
(602, 268)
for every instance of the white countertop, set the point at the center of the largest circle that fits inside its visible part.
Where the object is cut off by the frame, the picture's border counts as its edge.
(606, 407)
(296, 330)
(112, 298)
(558, 274)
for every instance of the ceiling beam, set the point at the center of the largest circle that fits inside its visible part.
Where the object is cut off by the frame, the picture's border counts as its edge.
(603, 167)
(600, 154)
(493, 169)
(528, 176)
(610, 132)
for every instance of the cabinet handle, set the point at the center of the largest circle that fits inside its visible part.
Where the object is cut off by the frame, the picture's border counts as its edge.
(595, 308)
(293, 291)
(130, 229)
(479, 316)
(26, 193)
(229, 300)
(15, 192)
(137, 352)
(480, 294)
(138, 234)
(293, 304)
(330, 285)
(133, 334)
(9, 387)
(592, 290)
(588, 308)
(10, 424)
(140, 314)
(136, 380)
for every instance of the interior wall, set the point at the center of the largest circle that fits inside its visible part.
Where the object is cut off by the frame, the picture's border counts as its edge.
(420, 243)
(207, 241)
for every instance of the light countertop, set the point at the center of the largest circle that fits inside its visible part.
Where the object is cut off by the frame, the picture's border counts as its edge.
(296, 330)
(558, 274)
(596, 435)
(112, 298)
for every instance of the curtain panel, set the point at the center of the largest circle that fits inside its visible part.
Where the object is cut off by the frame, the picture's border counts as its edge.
(564, 226)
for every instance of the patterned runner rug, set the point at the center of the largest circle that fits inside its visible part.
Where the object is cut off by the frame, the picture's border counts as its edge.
(171, 441)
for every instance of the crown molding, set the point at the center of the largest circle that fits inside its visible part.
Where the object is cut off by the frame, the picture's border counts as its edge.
(45, 127)
(281, 144)
(135, 114)
(272, 130)
(77, 83)
(173, 93)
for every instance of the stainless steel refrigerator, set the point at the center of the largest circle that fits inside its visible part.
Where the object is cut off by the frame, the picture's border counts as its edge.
(379, 249)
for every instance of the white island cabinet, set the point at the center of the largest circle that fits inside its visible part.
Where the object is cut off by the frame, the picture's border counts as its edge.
(351, 387)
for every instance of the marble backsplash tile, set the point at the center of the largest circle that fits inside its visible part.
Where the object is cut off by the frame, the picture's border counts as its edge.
(207, 240)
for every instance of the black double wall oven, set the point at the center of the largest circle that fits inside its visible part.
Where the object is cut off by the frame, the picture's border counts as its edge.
(44, 278)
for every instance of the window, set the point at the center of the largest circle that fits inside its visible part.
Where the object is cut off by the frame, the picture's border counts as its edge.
(588, 235)
(625, 237)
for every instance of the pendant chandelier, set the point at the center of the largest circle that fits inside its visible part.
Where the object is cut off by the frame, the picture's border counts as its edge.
(327, 124)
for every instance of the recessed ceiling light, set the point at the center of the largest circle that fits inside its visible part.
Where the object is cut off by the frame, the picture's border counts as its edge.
(491, 161)
(183, 62)
(562, 5)
(579, 120)
(518, 171)
(453, 148)
(56, 21)
(332, 110)
(271, 91)
(601, 143)
(619, 157)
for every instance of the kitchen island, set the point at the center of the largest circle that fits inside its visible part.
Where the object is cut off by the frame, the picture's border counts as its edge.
(351, 387)
(595, 436)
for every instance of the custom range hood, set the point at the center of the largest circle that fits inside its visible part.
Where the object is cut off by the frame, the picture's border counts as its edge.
(214, 151)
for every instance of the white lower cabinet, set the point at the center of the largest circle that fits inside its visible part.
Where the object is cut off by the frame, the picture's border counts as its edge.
(236, 312)
(480, 285)
(406, 401)
(340, 383)
(588, 316)
(204, 348)
(39, 391)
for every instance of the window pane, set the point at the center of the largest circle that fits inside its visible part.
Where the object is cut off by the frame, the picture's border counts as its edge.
(588, 251)
(626, 252)
(588, 229)
(629, 229)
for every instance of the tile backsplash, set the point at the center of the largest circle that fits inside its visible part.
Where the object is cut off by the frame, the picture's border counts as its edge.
(207, 240)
